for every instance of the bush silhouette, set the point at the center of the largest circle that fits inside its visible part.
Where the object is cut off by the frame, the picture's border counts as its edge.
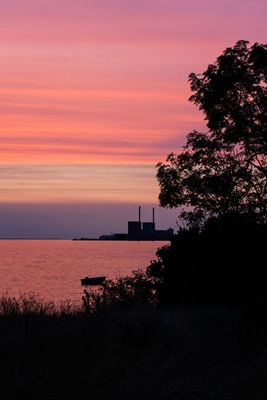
(224, 263)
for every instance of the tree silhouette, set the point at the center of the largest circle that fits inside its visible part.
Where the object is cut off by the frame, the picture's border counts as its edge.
(232, 93)
(220, 255)
(225, 169)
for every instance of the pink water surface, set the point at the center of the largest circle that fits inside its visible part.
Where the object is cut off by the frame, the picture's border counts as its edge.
(53, 268)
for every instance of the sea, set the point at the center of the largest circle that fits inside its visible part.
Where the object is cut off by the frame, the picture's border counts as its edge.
(53, 269)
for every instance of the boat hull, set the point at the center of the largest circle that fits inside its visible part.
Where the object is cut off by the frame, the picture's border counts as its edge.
(93, 281)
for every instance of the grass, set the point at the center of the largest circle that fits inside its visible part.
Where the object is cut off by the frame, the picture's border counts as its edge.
(130, 352)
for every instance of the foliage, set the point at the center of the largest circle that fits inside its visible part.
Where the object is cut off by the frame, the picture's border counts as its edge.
(225, 169)
(33, 303)
(224, 263)
(232, 93)
(212, 177)
(30, 303)
(138, 288)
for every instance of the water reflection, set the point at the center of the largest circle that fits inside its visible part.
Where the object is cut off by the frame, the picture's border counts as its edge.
(54, 268)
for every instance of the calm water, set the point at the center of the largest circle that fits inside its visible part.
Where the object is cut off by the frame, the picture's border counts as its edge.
(53, 268)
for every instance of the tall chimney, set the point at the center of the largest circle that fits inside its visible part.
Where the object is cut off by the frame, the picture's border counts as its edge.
(139, 214)
(153, 215)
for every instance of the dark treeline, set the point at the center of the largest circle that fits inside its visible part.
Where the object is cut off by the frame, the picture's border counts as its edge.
(223, 264)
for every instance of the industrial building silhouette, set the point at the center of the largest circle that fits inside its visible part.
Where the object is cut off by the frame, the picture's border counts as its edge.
(141, 231)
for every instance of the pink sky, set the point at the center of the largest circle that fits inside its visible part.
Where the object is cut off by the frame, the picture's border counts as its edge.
(94, 94)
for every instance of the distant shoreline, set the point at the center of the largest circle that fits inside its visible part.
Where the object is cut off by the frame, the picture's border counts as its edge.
(18, 238)
(121, 240)
(90, 239)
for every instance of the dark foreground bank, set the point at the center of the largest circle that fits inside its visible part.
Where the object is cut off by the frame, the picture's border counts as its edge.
(133, 353)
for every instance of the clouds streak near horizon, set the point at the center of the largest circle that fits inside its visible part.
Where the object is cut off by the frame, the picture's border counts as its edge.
(77, 183)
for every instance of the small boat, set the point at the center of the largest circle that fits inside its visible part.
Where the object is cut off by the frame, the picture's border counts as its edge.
(93, 281)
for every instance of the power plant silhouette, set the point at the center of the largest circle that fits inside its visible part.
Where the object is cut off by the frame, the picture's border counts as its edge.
(141, 231)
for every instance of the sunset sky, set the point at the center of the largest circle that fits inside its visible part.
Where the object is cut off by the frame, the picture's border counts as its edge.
(93, 94)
